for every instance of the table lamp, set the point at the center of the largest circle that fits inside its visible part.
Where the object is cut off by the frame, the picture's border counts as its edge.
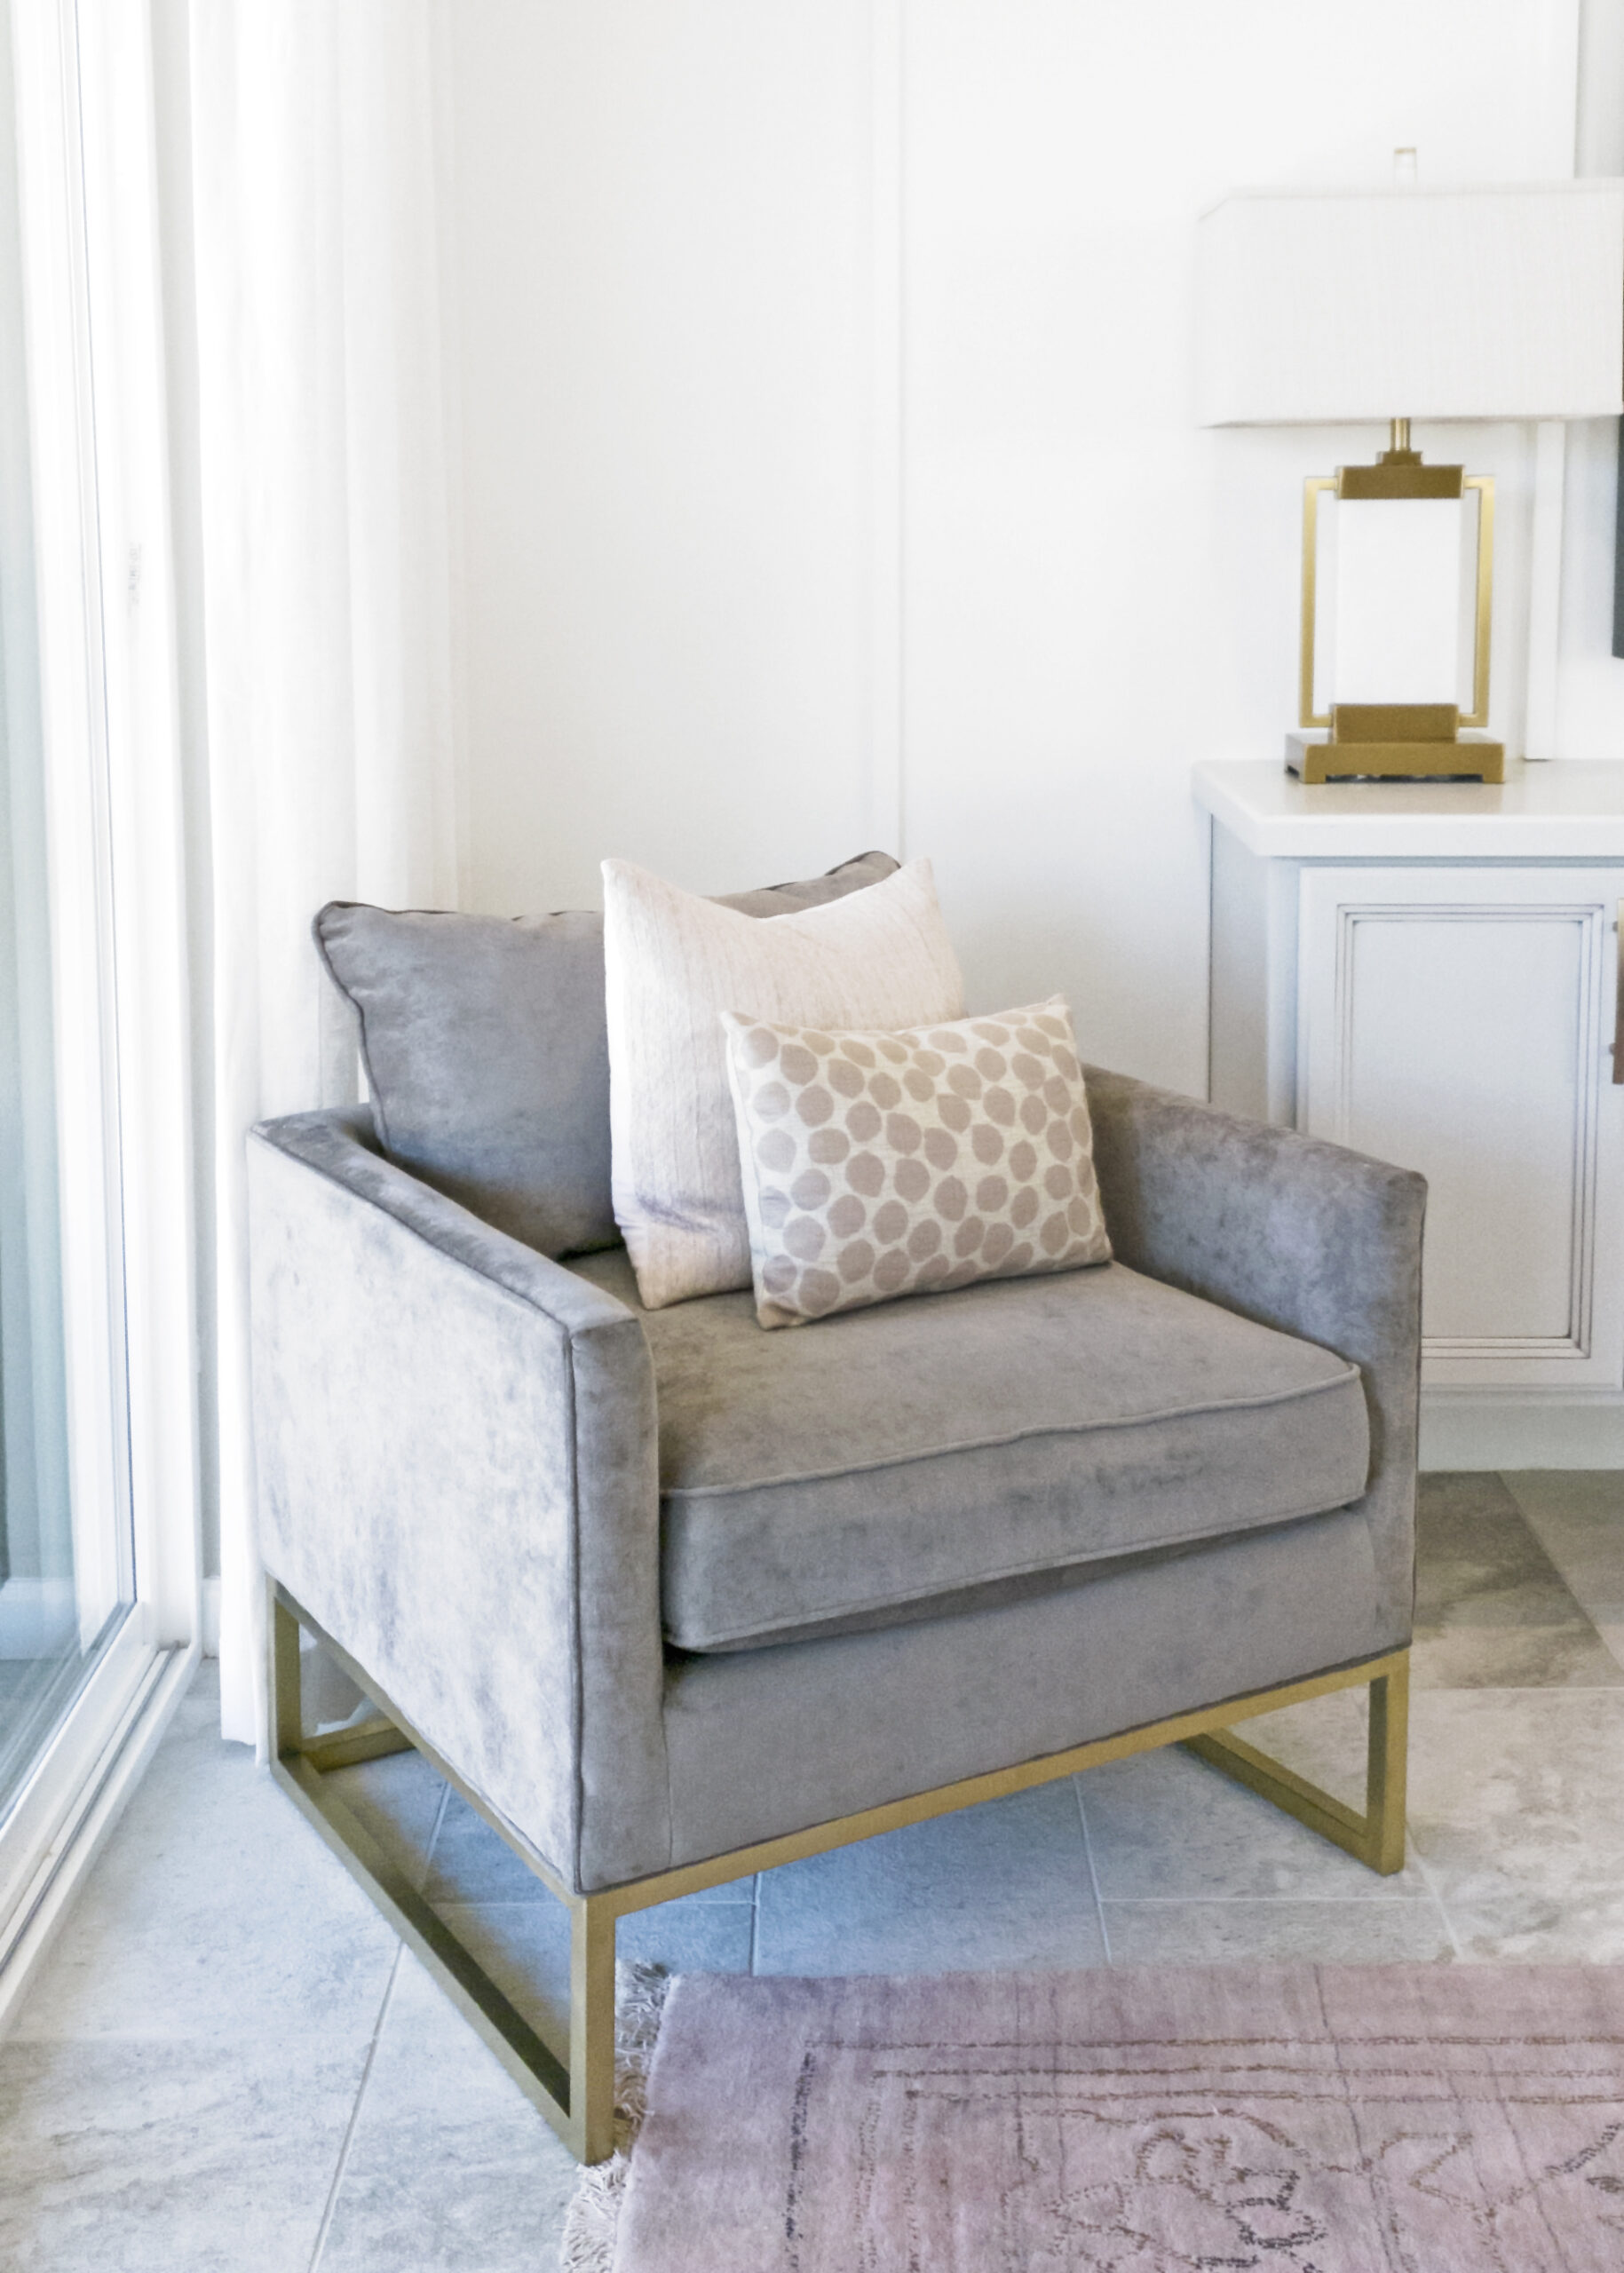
(1339, 307)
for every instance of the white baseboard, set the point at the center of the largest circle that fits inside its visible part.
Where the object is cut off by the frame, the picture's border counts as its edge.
(211, 1618)
(36, 1616)
(1528, 1432)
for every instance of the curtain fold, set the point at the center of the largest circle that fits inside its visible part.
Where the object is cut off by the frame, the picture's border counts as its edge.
(317, 155)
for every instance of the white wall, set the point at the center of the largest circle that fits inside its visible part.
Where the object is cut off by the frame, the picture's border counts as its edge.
(758, 297)
(661, 236)
(1590, 699)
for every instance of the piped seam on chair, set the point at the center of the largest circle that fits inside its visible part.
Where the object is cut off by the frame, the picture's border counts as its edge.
(533, 1303)
(1013, 1437)
(577, 1680)
(373, 1093)
(1192, 1541)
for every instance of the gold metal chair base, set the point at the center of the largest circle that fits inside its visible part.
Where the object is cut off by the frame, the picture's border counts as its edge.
(574, 2089)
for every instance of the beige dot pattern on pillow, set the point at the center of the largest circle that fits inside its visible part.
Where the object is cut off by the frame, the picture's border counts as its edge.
(876, 1165)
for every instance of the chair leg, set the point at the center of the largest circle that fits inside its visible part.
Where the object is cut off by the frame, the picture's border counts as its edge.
(1376, 1837)
(576, 2095)
(1387, 1769)
(591, 2029)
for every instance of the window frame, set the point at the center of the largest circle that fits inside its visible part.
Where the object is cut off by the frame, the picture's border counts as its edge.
(104, 598)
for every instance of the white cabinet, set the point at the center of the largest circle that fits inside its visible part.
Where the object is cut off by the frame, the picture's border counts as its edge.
(1431, 975)
(1456, 1019)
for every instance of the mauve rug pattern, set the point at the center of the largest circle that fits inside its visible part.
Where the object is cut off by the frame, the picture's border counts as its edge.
(1224, 2119)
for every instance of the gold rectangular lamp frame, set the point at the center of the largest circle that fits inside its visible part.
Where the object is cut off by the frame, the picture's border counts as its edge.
(1396, 740)
(573, 2086)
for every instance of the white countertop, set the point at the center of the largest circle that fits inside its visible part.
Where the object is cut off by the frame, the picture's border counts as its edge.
(1564, 809)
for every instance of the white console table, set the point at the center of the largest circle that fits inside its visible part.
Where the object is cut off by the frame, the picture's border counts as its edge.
(1428, 973)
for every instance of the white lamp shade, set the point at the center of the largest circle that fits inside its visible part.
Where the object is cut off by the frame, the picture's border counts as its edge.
(1317, 308)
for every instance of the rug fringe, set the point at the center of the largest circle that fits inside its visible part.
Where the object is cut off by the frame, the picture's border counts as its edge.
(592, 2220)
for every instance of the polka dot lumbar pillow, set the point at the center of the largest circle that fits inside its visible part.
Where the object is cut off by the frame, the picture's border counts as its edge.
(909, 1163)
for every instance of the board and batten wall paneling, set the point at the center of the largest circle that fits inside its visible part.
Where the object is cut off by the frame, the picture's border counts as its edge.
(663, 231)
(1589, 720)
(826, 394)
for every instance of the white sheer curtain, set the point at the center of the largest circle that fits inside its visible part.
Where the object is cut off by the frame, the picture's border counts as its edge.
(317, 156)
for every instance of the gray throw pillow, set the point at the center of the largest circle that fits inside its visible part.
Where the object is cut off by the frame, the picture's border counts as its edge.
(486, 1052)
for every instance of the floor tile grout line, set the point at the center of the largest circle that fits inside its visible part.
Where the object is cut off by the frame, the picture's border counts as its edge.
(331, 2204)
(440, 1818)
(1217, 1901)
(1527, 1689)
(543, 1903)
(1425, 1868)
(1558, 1563)
(1087, 1851)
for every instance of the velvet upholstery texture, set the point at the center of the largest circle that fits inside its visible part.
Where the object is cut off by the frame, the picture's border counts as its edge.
(458, 1480)
(954, 1442)
(487, 1054)
(1298, 1234)
(460, 1454)
(766, 1741)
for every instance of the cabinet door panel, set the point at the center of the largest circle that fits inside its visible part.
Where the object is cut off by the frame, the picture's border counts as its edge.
(1455, 1019)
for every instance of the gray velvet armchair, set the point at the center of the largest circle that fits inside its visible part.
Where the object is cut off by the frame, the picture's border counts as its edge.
(671, 1600)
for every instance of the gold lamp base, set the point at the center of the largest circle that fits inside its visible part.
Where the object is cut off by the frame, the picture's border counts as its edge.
(1396, 741)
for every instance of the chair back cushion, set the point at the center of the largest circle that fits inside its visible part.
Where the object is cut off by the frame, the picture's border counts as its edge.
(484, 1049)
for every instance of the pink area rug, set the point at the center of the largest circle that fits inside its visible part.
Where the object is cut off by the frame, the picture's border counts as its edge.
(1391, 2119)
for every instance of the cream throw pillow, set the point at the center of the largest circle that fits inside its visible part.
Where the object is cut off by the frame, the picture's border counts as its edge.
(884, 1164)
(673, 963)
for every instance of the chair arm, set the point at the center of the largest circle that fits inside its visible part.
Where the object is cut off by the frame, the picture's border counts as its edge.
(456, 1445)
(1308, 1237)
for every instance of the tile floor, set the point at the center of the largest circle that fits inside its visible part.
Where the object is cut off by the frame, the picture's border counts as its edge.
(229, 2061)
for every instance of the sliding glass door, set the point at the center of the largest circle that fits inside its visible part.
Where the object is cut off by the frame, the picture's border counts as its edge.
(97, 1358)
(65, 1557)
(67, 1579)
(63, 1592)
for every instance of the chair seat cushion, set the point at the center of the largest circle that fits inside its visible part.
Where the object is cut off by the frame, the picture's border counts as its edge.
(932, 1456)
